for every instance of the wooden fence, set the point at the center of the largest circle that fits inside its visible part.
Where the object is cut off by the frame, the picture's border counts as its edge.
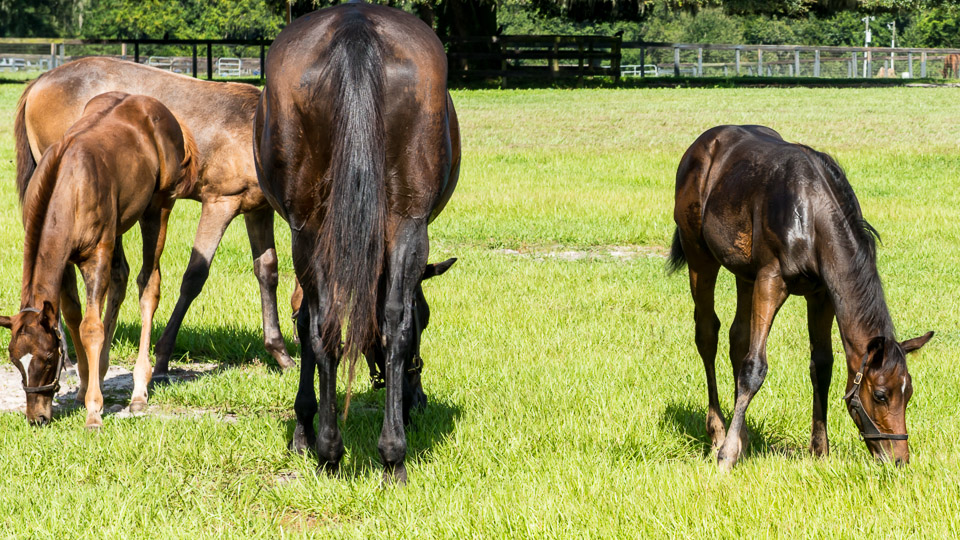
(534, 56)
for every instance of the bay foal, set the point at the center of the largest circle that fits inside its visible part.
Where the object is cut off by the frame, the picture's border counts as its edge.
(124, 161)
(784, 220)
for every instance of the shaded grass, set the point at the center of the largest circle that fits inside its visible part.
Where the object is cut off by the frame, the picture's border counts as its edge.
(567, 398)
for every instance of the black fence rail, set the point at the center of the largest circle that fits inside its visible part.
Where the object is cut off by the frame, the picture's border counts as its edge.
(551, 56)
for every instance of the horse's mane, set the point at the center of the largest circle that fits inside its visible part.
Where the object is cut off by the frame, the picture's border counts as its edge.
(866, 285)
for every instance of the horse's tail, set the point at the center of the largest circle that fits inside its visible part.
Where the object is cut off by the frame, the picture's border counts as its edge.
(677, 258)
(189, 168)
(26, 164)
(351, 247)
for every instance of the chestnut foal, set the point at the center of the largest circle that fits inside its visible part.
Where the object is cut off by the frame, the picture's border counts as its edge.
(124, 161)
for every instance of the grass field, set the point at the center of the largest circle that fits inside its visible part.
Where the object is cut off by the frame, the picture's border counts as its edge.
(567, 397)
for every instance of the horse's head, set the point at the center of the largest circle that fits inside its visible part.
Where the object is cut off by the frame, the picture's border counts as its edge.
(35, 351)
(421, 314)
(877, 399)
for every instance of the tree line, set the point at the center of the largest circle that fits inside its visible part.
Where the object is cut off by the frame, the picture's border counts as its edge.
(918, 23)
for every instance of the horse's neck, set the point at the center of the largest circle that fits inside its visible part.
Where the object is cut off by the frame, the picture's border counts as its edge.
(45, 258)
(858, 301)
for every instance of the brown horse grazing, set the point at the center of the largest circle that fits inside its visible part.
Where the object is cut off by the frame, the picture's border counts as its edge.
(357, 147)
(951, 66)
(220, 116)
(784, 220)
(125, 160)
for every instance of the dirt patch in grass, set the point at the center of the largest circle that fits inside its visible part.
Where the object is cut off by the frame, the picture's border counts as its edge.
(117, 388)
(622, 253)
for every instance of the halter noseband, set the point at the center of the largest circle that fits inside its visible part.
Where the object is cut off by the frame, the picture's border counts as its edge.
(55, 385)
(868, 429)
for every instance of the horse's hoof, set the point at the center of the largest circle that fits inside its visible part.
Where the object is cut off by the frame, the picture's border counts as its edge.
(94, 422)
(300, 443)
(395, 475)
(329, 469)
(725, 463)
(286, 363)
(138, 406)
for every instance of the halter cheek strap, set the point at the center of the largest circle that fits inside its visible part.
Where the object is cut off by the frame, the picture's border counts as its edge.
(868, 429)
(55, 385)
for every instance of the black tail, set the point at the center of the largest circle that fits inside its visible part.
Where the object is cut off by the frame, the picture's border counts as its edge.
(26, 164)
(351, 248)
(677, 259)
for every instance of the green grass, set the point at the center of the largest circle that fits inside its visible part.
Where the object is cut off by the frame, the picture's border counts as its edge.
(567, 397)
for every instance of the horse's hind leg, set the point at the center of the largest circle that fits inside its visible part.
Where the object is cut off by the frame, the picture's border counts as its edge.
(214, 219)
(326, 357)
(703, 280)
(407, 259)
(117, 291)
(769, 293)
(740, 340)
(153, 228)
(262, 244)
(305, 404)
(820, 315)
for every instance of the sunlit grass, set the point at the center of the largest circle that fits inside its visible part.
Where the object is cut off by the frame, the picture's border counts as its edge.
(567, 398)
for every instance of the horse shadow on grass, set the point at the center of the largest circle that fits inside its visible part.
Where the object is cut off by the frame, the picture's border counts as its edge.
(691, 422)
(217, 344)
(429, 427)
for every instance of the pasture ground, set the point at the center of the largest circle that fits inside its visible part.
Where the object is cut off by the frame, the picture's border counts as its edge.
(566, 395)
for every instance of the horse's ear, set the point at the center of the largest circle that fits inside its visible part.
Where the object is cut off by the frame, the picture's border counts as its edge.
(875, 352)
(911, 345)
(436, 269)
(5, 321)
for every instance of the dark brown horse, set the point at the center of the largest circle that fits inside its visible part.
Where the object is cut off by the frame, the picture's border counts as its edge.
(357, 146)
(124, 161)
(784, 220)
(220, 115)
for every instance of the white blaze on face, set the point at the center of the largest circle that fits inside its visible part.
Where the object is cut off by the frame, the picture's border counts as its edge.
(25, 362)
(904, 387)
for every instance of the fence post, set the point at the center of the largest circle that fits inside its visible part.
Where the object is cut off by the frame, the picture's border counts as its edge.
(796, 62)
(580, 63)
(209, 61)
(53, 55)
(760, 62)
(643, 61)
(554, 61)
(816, 63)
(699, 61)
(263, 67)
(854, 60)
(63, 52)
(910, 64)
(194, 60)
(617, 57)
(676, 61)
(868, 65)
(923, 65)
(136, 52)
(738, 62)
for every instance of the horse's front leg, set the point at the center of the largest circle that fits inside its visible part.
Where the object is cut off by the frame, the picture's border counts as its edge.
(153, 227)
(117, 291)
(96, 276)
(769, 293)
(407, 259)
(73, 315)
(820, 315)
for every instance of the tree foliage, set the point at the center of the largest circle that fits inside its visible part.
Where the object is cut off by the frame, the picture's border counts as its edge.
(183, 19)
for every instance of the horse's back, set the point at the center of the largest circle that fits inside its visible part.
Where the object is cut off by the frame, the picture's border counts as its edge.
(305, 80)
(219, 115)
(746, 197)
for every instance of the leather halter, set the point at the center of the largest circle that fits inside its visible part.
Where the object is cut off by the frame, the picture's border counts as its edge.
(868, 429)
(55, 385)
